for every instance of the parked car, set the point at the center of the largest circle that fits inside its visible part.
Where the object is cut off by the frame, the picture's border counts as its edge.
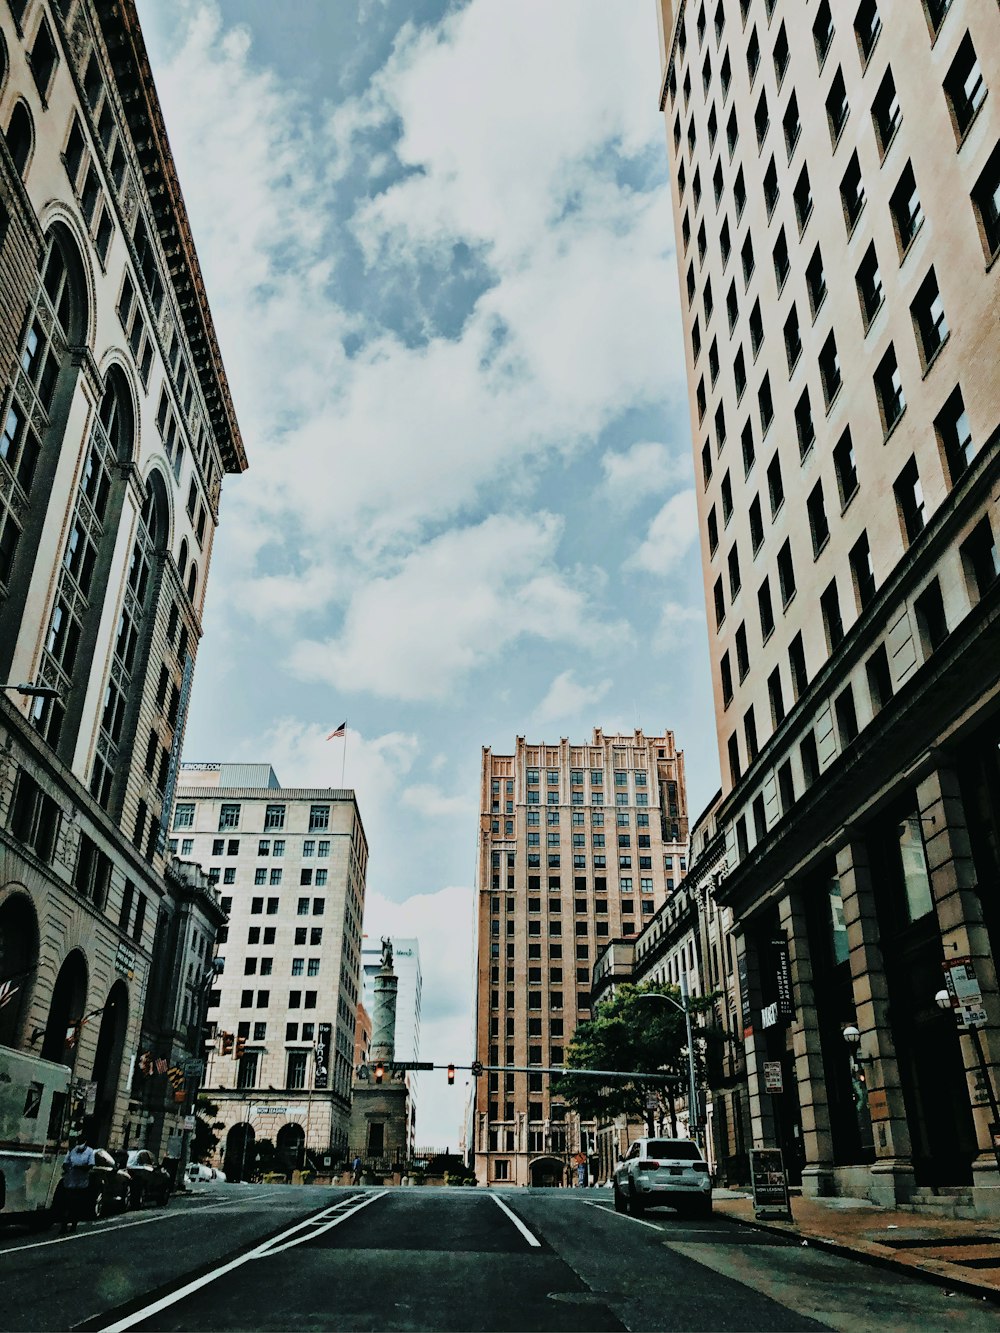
(148, 1180)
(197, 1173)
(109, 1188)
(663, 1171)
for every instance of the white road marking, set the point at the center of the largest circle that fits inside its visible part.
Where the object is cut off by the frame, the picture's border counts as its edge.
(532, 1240)
(627, 1216)
(261, 1251)
(323, 1226)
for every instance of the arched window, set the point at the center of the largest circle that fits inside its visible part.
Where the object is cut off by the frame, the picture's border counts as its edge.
(192, 583)
(4, 65)
(182, 559)
(20, 137)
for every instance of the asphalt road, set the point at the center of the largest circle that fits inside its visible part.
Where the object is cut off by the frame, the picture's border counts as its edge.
(280, 1257)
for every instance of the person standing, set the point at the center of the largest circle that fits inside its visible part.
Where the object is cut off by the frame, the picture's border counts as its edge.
(356, 1171)
(76, 1182)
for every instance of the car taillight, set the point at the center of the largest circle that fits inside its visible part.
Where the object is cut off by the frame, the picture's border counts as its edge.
(700, 1166)
(649, 1166)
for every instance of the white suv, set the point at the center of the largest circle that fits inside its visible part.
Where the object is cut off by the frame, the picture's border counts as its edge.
(663, 1171)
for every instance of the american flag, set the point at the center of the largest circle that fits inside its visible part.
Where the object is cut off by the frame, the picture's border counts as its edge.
(341, 731)
(7, 992)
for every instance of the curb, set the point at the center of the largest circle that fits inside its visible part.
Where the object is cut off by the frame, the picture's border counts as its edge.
(955, 1282)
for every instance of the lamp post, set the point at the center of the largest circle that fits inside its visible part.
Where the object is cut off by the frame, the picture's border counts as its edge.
(943, 1000)
(685, 1008)
(31, 691)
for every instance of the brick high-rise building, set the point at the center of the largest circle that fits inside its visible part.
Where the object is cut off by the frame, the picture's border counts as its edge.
(836, 198)
(290, 864)
(116, 428)
(578, 844)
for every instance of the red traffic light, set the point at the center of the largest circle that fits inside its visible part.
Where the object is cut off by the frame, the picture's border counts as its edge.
(451, 1075)
(241, 1044)
(226, 1039)
(379, 1072)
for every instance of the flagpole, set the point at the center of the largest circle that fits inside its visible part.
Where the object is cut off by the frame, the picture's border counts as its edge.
(343, 760)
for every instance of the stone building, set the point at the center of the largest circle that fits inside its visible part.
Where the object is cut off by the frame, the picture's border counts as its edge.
(835, 188)
(579, 844)
(290, 865)
(116, 427)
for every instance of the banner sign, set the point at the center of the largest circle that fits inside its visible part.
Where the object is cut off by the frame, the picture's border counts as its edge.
(783, 976)
(322, 1076)
(769, 1183)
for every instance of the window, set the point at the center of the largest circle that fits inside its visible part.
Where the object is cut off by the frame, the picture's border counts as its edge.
(837, 107)
(910, 501)
(184, 814)
(732, 132)
(275, 877)
(797, 665)
(867, 26)
(927, 312)
(733, 749)
(832, 623)
(756, 525)
(732, 307)
(726, 494)
(869, 283)
(781, 260)
(829, 370)
(734, 571)
(775, 698)
(804, 427)
(790, 122)
(886, 114)
(816, 281)
(726, 675)
(852, 193)
(931, 621)
(803, 199)
(765, 608)
(43, 59)
(713, 530)
(753, 55)
(981, 559)
(742, 653)
(823, 31)
(786, 787)
(739, 374)
(780, 53)
(229, 816)
(750, 735)
(907, 214)
(747, 259)
(819, 527)
(879, 678)
(319, 817)
(786, 573)
(740, 193)
(747, 446)
(889, 390)
(274, 817)
(720, 603)
(793, 338)
(846, 468)
(766, 404)
(862, 571)
(955, 435)
(964, 88)
(761, 119)
(986, 201)
(775, 485)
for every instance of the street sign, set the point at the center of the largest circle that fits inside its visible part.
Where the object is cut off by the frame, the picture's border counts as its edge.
(772, 1076)
(194, 1068)
(964, 992)
(187, 1122)
(477, 1068)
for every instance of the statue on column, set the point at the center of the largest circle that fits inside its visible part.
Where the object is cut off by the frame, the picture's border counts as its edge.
(387, 953)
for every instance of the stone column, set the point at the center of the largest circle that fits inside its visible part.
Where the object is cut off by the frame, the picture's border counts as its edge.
(762, 1126)
(892, 1172)
(960, 919)
(810, 1075)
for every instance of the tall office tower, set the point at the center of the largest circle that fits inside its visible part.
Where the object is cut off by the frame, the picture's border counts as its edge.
(836, 196)
(116, 427)
(578, 844)
(406, 961)
(290, 864)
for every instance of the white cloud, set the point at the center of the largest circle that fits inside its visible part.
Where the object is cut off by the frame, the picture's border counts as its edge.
(675, 627)
(568, 698)
(432, 802)
(452, 606)
(646, 468)
(670, 536)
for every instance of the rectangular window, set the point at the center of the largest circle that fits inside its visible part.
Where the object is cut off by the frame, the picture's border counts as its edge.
(274, 817)
(886, 113)
(871, 293)
(847, 718)
(845, 467)
(927, 312)
(981, 559)
(766, 610)
(837, 107)
(862, 571)
(775, 698)
(910, 501)
(802, 196)
(804, 426)
(775, 485)
(986, 202)
(907, 213)
(889, 390)
(867, 26)
(750, 734)
(797, 666)
(229, 816)
(879, 678)
(832, 622)
(819, 526)
(786, 573)
(319, 817)
(742, 653)
(964, 87)
(852, 193)
(931, 620)
(184, 814)
(955, 435)
(756, 525)
(829, 370)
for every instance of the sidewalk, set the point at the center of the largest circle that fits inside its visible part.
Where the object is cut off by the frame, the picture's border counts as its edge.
(960, 1255)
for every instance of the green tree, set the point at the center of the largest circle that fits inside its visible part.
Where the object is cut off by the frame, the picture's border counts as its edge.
(206, 1140)
(632, 1036)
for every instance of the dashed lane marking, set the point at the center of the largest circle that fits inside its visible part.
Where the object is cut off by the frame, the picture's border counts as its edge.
(627, 1217)
(532, 1240)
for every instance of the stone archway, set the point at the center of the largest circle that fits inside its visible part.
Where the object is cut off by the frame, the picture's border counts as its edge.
(108, 1059)
(239, 1158)
(18, 960)
(66, 1009)
(546, 1172)
(290, 1147)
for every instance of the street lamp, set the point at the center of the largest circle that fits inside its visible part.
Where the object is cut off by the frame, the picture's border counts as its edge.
(685, 1009)
(943, 1000)
(31, 691)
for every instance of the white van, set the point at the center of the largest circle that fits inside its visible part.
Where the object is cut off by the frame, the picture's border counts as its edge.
(197, 1173)
(33, 1099)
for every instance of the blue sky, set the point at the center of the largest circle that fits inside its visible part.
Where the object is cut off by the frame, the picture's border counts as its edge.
(437, 243)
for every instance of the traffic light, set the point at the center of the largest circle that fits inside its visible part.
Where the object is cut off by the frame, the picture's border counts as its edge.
(241, 1045)
(226, 1042)
(379, 1071)
(451, 1076)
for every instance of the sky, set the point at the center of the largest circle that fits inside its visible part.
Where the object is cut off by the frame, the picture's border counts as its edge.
(437, 244)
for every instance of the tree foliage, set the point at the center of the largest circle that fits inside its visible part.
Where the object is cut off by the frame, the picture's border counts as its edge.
(629, 1035)
(206, 1140)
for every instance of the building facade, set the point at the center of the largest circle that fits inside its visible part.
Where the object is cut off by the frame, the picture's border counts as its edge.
(579, 844)
(290, 866)
(117, 428)
(836, 198)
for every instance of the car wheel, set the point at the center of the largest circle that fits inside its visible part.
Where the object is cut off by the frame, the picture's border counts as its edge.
(99, 1208)
(619, 1200)
(636, 1206)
